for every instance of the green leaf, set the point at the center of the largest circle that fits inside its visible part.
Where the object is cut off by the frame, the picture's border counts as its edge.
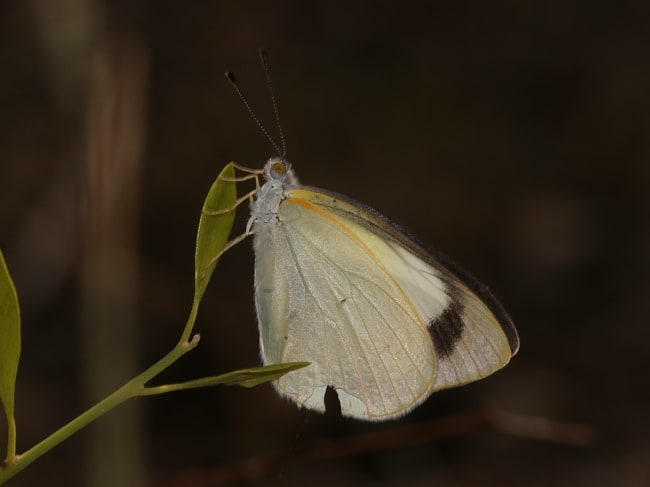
(216, 222)
(9, 346)
(258, 375)
(245, 377)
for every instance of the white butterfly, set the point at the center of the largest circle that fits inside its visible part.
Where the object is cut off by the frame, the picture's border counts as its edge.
(383, 321)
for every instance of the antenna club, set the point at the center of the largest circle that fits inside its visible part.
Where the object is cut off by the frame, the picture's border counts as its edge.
(230, 76)
(264, 56)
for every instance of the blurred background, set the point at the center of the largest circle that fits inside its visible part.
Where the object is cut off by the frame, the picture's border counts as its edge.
(514, 137)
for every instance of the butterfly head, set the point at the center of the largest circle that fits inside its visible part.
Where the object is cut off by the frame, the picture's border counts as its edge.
(277, 169)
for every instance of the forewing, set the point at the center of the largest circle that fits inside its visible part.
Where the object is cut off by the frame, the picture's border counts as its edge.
(472, 334)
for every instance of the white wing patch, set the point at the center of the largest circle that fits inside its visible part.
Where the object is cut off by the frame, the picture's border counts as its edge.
(482, 347)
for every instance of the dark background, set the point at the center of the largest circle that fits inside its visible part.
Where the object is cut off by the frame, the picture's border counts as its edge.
(513, 136)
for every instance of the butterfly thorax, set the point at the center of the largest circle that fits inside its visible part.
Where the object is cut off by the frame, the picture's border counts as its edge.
(279, 178)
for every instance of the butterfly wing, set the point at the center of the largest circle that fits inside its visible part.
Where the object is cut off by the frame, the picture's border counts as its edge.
(383, 321)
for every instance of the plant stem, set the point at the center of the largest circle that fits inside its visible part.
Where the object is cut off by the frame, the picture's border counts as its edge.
(11, 439)
(127, 391)
(191, 319)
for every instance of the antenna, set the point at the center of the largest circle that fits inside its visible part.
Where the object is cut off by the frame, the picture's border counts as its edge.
(264, 56)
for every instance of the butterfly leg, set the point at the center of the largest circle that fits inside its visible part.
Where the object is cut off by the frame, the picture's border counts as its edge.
(224, 211)
(251, 174)
(229, 245)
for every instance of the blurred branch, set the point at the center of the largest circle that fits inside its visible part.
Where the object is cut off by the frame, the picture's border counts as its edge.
(116, 124)
(542, 429)
(451, 426)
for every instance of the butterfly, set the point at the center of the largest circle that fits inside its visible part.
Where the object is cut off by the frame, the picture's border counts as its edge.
(384, 320)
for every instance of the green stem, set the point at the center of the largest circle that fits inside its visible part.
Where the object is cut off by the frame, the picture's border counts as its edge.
(127, 391)
(11, 439)
(154, 391)
(191, 319)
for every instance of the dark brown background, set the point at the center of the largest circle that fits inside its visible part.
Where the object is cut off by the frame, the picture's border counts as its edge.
(514, 137)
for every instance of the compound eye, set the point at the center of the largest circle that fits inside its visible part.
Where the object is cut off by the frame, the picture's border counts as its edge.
(278, 170)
